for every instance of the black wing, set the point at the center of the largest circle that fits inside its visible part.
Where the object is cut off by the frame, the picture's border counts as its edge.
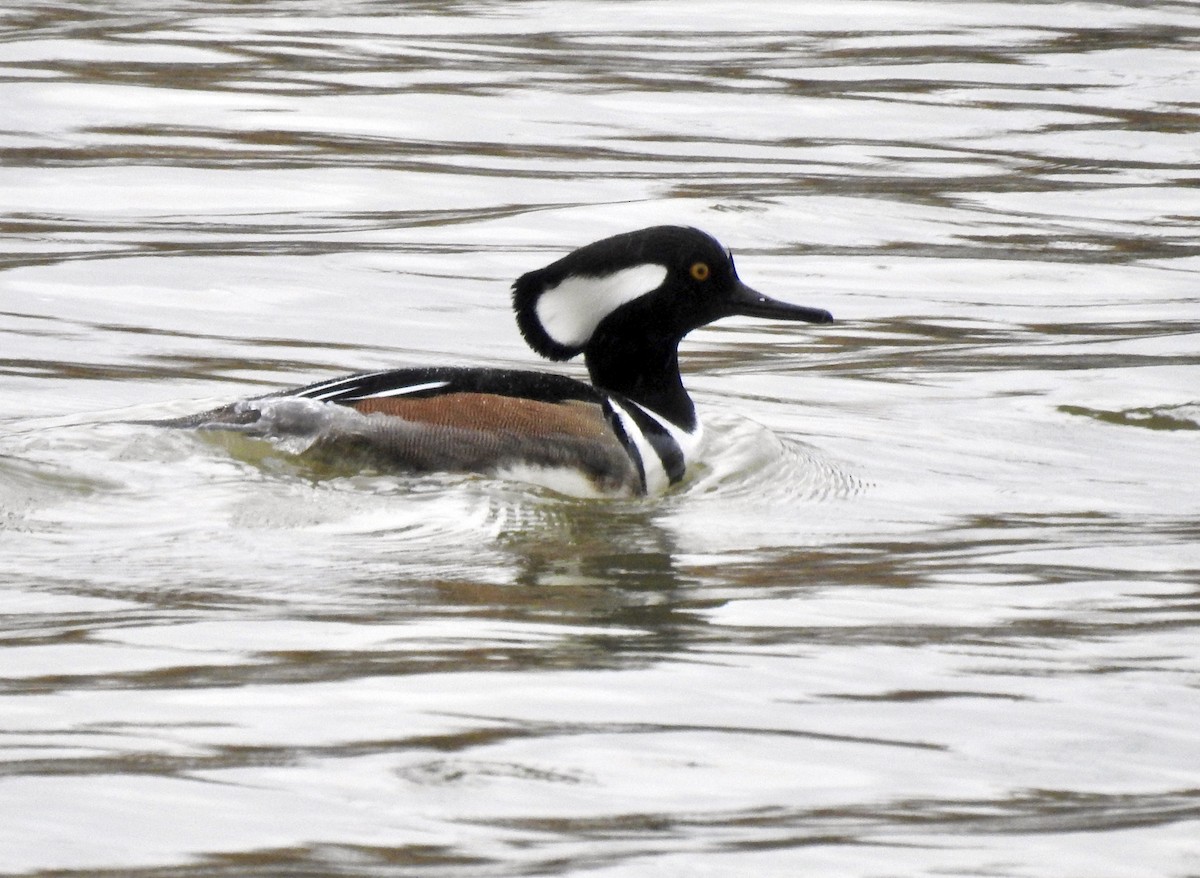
(421, 383)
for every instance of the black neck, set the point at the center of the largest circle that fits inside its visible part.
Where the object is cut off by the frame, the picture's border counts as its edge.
(646, 371)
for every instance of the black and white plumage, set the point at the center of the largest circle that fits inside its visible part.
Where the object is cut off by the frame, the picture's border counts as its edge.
(624, 303)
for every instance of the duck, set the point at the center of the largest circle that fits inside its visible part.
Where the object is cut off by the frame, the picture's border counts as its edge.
(624, 303)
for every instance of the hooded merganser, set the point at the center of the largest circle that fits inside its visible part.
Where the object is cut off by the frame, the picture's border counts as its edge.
(625, 303)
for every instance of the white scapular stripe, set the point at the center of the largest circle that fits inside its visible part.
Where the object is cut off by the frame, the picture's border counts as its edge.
(571, 311)
(337, 384)
(400, 391)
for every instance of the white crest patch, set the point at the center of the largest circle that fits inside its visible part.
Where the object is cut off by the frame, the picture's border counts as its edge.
(571, 311)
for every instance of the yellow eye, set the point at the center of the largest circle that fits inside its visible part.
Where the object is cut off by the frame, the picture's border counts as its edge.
(700, 270)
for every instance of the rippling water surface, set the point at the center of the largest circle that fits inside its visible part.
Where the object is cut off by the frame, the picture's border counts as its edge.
(930, 607)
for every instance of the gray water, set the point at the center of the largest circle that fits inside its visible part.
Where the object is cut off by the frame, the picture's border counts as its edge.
(930, 605)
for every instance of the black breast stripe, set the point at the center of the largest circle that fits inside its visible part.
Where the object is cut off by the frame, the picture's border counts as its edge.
(663, 443)
(626, 442)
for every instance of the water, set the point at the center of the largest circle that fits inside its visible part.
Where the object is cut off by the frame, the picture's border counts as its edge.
(930, 607)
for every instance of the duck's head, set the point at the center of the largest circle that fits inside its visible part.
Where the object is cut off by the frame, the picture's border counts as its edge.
(653, 286)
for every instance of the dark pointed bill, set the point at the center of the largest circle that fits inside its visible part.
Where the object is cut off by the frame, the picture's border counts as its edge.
(750, 303)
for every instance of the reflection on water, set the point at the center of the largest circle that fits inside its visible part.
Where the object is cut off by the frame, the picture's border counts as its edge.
(928, 607)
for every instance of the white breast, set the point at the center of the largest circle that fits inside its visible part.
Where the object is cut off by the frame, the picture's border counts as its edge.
(657, 479)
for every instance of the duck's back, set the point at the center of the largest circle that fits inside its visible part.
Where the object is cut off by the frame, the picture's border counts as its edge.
(450, 420)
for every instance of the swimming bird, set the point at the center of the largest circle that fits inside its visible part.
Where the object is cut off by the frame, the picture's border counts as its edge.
(624, 303)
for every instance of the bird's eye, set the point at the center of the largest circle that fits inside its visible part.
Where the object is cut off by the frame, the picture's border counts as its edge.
(700, 271)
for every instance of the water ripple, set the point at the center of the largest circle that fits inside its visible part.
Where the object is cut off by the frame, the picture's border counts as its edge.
(743, 459)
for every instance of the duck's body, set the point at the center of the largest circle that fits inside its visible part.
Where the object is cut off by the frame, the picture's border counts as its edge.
(625, 303)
